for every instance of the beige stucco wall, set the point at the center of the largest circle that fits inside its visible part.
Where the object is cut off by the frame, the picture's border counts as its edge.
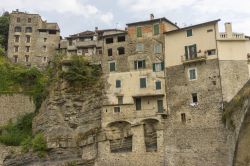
(176, 42)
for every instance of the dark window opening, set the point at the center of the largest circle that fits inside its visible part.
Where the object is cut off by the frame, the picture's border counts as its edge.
(100, 52)
(160, 106)
(211, 52)
(143, 82)
(70, 42)
(189, 32)
(26, 58)
(28, 39)
(183, 118)
(28, 29)
(194, 98)
(18, 29)
(120, 99)
(121, 38)
(15, 59)
(29, 20)
(27, 48)
(17, 37)
(52, 32)
(140, 64)
(16, 48)
(139, 31)
(191, 52)
(117, 109)
(118, 83)
(112, 66)
(214, 82)
(121, 50)
(156, 28)
(109, 40)
(138, 103)
(210, 30)
(18, 19)
(44, 39)
(110, 52)
(158, 85)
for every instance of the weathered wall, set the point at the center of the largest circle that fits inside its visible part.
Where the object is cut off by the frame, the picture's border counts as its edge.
(12, 106)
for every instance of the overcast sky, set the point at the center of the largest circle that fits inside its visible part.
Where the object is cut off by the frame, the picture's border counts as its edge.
(74, 16)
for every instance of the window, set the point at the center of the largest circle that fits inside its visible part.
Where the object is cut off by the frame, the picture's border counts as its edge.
(190, 52)
(211, 52)
(27, 48)
(29, 20)
(194, 98)
(15, 59)
(26, 58)
(210, 30)
(27, 39)
(16, 48)
(118, 83)
(183, 118)
(100, 52)
(138, 104)
(18, 19)
(45, 59)
(28, 29)
(109, 40)
(44, 48)
(139, 64)
(110, 53)
(112, 66)
(121, 50)
(143, 82)
(139, 31)
(117, 109)
(156, 28)
(189, 32)
(160, 106)
(120, 100)
(18, 29)
(17, 37)
(158, 85)
(158, 66)
(44, 39)
(139, 47)
(192, 74)
(70, 42)
(121, 38)
(157, 48)
(52, 32)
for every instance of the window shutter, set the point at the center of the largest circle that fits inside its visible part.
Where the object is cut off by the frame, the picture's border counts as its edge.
(195, 50)
(135, 65)
(186, 52)
(162, 66)
(153, 67)
(144, 64)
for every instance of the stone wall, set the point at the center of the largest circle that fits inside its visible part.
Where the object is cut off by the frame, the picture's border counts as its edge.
(13, 106)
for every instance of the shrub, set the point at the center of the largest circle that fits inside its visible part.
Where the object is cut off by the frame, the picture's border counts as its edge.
(39, 143)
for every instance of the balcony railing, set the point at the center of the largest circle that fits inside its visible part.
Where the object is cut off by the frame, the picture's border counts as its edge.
(193, 59)
(233, 36)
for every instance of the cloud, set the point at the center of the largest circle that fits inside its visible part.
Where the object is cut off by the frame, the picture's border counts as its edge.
(74, 7)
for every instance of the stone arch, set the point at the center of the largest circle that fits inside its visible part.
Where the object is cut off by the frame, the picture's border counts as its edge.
(150, 127)
(120, 136)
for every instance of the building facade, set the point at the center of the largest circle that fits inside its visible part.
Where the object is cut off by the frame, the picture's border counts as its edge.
(32, 41)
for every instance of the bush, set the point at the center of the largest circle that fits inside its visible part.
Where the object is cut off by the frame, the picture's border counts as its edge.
(39, 143)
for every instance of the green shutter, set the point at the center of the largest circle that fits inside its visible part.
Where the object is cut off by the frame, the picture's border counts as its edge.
(135, 65)
(158, 85)
(143, 83)
(186, 52)
(139, 31)
(162, 66)
(154, 67)
(156, 29)
(195, 50)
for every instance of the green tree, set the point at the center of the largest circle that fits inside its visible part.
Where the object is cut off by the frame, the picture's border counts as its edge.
(4, 29)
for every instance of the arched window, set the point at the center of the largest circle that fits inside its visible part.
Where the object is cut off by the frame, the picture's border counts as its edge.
(18, 29)
(28, 30)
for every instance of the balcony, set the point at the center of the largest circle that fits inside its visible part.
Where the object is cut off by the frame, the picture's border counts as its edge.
(200, 57)
(85, 43)
(232, 36)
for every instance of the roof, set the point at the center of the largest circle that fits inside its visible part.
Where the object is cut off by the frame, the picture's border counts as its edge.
(152, 21)
(84, 33)
(193, 26)
(89, 33)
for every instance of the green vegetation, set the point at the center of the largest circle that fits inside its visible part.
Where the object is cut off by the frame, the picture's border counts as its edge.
(4, 30)
(234, 105)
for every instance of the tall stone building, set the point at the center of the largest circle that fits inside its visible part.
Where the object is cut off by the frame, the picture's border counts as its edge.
(32, 41)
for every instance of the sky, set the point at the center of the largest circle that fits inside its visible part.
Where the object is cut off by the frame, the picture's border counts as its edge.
(74, 16)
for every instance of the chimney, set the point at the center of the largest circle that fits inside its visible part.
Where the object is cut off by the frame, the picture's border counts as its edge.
(228, 29)
(152, 16)
(96, 28)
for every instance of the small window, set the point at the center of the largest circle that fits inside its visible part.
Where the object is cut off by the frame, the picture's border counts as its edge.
(52, 32)
(156, 28)
(192, 74)
(18, 19)
(194, 98)
(26, 58)
(17, 38)
(120, 100)
(44, 39)
(44, 48)
(158, 85)
(45, 59)
(189, 32)
(183, 118)
(210, 30)
(121, 38)
(100, 52)
(15, 59)
(121, 50)
(191, 52)
(27, 48)
(28, 29)
(110, 52)
(109, 40)
(27, 39)
(139, 31)
(157, 48)
(117, 109)
(138, 104)
(211, 52)
(160, 106)
(18, 29)
(29, 20)
(70, 42)
(118, 83)
(158, 67)
(143, 82)
(139, 64)
(112, 66)
(139, 47)
(16, 48)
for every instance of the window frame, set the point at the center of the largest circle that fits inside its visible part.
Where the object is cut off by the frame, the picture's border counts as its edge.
(137, 32)
(117, 109)
(158, 85)
(110, 50)
(143, 86)
(139, 47)
(158, 47)
(136, 64)
(156, 24)
(195, 95)
(138, 104)
(121, 51)
(112, 62)
(109, 42)
(188, 34)
(118, 83)
(196, 74)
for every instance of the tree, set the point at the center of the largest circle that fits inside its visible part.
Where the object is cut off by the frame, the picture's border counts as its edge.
(4, 29)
